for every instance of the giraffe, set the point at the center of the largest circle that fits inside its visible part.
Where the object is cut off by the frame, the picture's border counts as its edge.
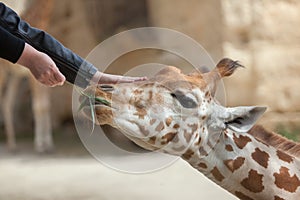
(178, 114)
(37, 13)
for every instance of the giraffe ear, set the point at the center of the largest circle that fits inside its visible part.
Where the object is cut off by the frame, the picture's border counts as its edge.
(243, 118)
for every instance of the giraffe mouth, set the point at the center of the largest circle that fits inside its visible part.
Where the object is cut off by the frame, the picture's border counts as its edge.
(95, 97)
(95, 104)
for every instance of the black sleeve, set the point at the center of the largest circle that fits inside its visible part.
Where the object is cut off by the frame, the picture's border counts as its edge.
(70, 64)
(11, 47)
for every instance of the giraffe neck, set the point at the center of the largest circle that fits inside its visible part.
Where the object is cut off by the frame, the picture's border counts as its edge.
(250, 169)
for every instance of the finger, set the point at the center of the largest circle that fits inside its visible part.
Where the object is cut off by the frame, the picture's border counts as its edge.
(57, 77)
(144, 78)
(49, 79)
(45, 79)
(129, 79)
(48, 82)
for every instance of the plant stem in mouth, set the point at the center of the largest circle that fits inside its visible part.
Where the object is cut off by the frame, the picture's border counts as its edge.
(103, 101)
(89, 98)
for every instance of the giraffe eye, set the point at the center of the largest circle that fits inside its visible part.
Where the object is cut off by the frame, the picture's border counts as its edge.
(184, 100)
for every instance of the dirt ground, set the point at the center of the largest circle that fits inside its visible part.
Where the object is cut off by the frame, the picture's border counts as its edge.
(72, 174)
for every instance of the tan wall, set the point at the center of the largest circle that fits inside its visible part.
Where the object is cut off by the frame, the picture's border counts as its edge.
(266, 38)
(199, 19)
(263, 35)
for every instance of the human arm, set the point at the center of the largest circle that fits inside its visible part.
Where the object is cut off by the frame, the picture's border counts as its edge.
(76, 70)
(11, 47)
(70, 64)
(42, 67)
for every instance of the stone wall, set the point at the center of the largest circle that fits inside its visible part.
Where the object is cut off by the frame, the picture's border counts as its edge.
(199, 19)
(263, 35)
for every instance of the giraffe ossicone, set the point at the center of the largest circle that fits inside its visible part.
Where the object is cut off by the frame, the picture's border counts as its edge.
(178, 114)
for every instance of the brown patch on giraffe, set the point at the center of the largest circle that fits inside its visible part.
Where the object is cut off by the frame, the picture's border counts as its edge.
(137, 92)
(203, 117)
(285, 157)
(284, 180)
(152, 121)
(217, 174)
(225, 134)
(188, 154)
(160, 127)
(202, 151)
(131, 100)
(176, 126)
(187, 136)
(169, 136)
(169, 121)
(199, 141)
(235, 164)
(207, 94)
(242, 196)
(229, 148)
(202, 165)
(278, 198)
(241, 141)
(152, 140)
(150, 95)
(261, 157)
(140, 112)
(253, 182)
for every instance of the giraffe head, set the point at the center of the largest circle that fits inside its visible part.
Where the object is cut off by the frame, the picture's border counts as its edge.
(171, 111)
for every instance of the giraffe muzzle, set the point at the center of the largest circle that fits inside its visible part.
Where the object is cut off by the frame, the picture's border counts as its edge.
(96, 96)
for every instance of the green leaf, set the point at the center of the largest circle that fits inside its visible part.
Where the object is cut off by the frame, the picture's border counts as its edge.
(92, 115)
(103, 101)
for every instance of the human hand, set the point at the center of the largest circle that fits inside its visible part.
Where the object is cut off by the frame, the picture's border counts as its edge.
(103, 78)
(41, 66)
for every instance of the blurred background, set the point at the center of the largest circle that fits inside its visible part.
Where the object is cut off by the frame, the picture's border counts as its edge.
(263, 35)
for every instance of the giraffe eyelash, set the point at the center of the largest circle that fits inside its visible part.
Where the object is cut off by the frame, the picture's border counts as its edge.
(184, 100)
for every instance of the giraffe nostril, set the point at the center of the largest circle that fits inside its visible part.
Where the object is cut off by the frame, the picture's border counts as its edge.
(106, 88)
